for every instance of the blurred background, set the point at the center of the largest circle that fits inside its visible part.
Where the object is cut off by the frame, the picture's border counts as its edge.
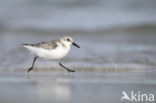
(112, 34)
(118, 50)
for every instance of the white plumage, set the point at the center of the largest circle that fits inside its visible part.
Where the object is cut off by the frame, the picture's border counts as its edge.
(51, 54)
(52, 50)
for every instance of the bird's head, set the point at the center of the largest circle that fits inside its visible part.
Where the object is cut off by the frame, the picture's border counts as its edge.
(68, 41)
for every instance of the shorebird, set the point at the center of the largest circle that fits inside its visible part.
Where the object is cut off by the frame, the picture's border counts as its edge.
(51, 50)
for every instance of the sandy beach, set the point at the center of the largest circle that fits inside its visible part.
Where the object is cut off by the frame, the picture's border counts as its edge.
(79, 87)
(117, 54)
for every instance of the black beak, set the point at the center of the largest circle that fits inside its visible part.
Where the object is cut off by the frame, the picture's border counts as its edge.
(76, 45)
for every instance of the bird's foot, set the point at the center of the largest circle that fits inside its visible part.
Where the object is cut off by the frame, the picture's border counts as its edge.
(29, 69)
(69, 70)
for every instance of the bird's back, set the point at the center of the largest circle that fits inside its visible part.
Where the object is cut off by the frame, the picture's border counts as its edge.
(52, 50)
(46, 45)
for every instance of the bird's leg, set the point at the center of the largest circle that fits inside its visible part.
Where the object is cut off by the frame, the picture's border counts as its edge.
(32, 64)
(69, 70)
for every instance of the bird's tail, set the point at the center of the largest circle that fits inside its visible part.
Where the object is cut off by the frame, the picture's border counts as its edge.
(24, 44)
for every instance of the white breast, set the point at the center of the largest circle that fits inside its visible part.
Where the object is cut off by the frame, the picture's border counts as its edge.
(58, 53)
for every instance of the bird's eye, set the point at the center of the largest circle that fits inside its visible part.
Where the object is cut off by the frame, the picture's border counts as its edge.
(68, 39)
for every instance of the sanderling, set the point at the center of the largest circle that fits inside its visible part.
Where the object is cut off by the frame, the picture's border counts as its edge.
(51, 50)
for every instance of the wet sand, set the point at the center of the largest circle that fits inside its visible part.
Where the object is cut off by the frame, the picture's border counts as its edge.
(79, 87)
(118, 50)
(104, 69)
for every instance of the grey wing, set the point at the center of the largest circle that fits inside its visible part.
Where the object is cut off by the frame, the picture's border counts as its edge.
(46, 45)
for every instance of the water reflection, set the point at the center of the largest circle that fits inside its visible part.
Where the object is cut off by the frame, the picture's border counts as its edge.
(66, 88)
(51, 89)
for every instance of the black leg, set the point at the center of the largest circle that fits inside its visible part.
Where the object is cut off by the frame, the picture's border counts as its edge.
(32, 64)
(69, 70)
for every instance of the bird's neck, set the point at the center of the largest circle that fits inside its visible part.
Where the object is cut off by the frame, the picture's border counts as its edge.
(65, 45)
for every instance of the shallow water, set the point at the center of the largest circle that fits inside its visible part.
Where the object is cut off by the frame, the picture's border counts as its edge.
(127, 52)
(111, 34)
(69, 88)
(118, 50)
